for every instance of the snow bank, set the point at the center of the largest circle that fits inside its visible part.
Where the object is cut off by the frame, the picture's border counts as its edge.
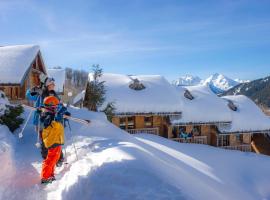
(15, 61)
(6, 158)
(59, 75)
(157, 97)
(113, 164)
(247, 117)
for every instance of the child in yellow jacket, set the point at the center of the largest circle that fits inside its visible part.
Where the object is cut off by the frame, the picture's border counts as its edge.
(53, 138)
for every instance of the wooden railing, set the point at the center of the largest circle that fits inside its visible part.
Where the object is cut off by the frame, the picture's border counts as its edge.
(153, 131)
(195, 140)
(242, 147)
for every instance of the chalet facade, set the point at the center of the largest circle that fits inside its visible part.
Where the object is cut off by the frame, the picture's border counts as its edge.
(20, 67)
(250, 128)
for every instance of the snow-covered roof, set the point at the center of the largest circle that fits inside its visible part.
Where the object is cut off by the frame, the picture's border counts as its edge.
(159, 96)
(59, 76)
(206, 107)
(248, 116)
(15, 62)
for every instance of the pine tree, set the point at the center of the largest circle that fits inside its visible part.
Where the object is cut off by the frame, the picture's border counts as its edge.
(95, 90)
(109, 111)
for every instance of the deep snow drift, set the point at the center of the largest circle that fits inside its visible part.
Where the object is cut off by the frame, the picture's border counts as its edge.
(115, 165)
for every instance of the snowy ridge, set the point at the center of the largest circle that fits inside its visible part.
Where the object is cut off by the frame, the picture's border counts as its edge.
(188, 80)
(14, 62)
(220, 83)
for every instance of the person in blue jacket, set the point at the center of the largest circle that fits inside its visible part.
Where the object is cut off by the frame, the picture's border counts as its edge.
(37, 94)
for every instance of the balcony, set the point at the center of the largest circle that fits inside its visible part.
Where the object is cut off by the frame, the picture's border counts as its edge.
(242, 147)
(194, 140)
(153, 131)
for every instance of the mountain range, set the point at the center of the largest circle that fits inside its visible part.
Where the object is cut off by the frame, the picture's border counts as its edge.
(218, 83)
(258, 90)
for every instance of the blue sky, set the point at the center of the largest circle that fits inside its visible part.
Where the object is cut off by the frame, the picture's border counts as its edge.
(168, 37)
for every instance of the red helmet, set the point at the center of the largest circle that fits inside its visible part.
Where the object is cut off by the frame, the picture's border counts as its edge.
(51, 101)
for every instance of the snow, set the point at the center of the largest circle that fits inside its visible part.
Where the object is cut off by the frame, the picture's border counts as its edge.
(15, 61)
(113, 164)
(204, 108)
(220, 83)
(248, 117)
(188, 80)
(3, 102)
(158, 96)
(59, 76)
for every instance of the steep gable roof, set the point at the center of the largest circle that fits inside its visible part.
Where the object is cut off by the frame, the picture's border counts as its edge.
(15, 62)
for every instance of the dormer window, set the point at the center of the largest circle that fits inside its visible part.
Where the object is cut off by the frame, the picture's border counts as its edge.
(232, 106)
(136, 85)
(188, 95)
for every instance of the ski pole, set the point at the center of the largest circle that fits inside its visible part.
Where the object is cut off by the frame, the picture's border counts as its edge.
(72, 140)
(82, 121)
(38, 130)
(21, 133)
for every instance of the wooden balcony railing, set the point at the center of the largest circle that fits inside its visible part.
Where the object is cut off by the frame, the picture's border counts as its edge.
(242, 147)
(195, 140)
(153, 131)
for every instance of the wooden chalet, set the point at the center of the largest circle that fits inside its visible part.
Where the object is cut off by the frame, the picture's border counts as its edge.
(144, 104)
(202, 116)
(149, 104)
(20, 67)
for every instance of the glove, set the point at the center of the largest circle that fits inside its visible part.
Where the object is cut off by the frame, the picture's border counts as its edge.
(67, 113)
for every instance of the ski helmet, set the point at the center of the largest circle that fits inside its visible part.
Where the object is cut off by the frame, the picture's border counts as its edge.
(51, 101)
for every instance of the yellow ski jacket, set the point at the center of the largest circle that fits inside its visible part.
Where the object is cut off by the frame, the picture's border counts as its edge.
(53, 135)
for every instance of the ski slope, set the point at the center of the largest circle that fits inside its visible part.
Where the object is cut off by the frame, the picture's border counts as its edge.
(115, 165)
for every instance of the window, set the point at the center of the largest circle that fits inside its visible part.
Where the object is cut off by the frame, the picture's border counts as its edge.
(188, 95)
(122, 124)
(148, 122)
(224, 140)
(232, 106)
(131, 122)
(239, 138)
(196, 130)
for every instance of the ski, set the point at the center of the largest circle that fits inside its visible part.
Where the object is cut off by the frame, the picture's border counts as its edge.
(82, 121)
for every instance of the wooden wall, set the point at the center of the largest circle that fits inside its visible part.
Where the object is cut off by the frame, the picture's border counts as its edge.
(158, 122)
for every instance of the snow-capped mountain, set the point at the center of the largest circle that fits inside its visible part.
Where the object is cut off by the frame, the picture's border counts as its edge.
(220, 83)
(188, 80)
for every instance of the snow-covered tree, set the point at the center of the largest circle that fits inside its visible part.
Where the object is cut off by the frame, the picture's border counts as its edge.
(95, 90)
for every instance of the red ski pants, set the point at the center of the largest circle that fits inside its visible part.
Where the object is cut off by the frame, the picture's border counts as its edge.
(49, 163)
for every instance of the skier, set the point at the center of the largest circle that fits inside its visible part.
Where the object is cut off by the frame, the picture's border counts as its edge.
(38, 94)
(52, 135)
